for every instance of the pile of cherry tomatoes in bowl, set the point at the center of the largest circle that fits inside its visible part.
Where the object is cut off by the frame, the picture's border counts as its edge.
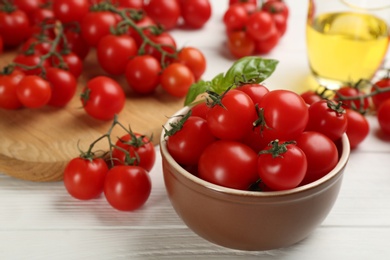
(248, 137)
(128, 38)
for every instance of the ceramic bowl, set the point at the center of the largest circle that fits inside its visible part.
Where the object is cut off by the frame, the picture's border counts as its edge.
(250, 220)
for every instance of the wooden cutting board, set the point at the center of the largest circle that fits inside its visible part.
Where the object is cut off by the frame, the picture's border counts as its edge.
(36, 144)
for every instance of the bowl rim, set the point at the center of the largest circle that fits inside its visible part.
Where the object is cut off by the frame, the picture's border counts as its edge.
(343, 159)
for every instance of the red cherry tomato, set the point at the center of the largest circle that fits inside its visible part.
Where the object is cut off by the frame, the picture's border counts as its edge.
(95, 25)
(321, 154)
(103, 98)
(260, 25)
(114, 52)
(164, 12)
(14, 27)
(381, 97)
(351, 92)
(127, 188)
(255, 91)
(176, 79)
(327, 117)
(84, 178)
(33, 91)
(8, 85)
(70, 10)
(230, 164)
(63, 86)
(383, 116)
(141, 151)
(143, 74)
(187, 144)
(240, 44)
(194, 59)
(195, 13)
(358, 127)
(285, 171)
(72, 62)
(234, 119)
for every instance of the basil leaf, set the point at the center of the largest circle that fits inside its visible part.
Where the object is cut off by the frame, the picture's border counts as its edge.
(248, 69)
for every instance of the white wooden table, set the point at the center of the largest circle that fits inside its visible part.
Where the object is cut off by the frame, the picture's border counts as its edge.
(41, 221)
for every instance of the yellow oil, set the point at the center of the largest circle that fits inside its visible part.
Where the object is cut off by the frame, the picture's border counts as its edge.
(346, 47)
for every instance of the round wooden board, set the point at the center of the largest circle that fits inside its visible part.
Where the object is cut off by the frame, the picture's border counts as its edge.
(36, 144)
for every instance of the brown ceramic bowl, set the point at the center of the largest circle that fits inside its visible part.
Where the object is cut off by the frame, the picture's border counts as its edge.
(250, 220)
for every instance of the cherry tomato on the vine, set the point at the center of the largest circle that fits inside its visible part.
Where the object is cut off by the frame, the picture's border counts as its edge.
(63, 86)
(176, 79)
(114, 52)
(383, 116)
(194, 59)
(195, 13)
(143, 74)
(240, 44)
(327, 117)
(14, 27)
(255, 91)
(32, 60)
(70, 10)
(8, 85)
(95, 25)
(260, 25)
(33, 91)
(321, 154)
(164, 12)
(141, 151)
(357, 128)
(127, 188)
(103, 98)
(345, 92)
(378, 99)
(72, 62)
(84, 178)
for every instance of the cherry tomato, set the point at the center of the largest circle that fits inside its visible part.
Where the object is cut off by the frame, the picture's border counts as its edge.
(70, 10)
(383, 116)
(127, 188)
(72, 62)
(255, 91)
(36, 46)
(140, 148)
(234, 119)
(31, 60)
(76, 43)
(84, 178)
(276, 7)
(143, 74)
(63, 86)
(95, 25)
(235, 18)
(33, 91)
(164, 12)
(28, 6)
(285, 115)
(280, 23)
(42, 15)
(195, 13)
(103, 98)
(187, 144)
(240, 44)
(14, 27)
(327, 117)
(176, 79)
(8, 85)
(267, 44)
(357, 128)
(143, 21)
(114, 52)
(311, 96)
(321, 154)
(380, 98)
(228, 163)
(194, 59)
(345, 92)
(283, 171)
(260, 25)
(167, 42)
(200, 110)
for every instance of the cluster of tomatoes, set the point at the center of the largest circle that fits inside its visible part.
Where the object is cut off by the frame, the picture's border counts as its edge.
(252, 138)
(54, 37)
(122, 174)
(254, 29)
(358, 100)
